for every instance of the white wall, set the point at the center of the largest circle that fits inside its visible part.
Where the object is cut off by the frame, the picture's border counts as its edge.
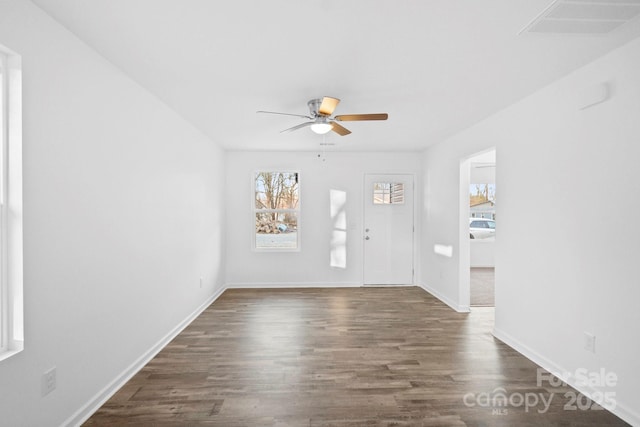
(482, 253)
(575, 270)
(311, 266)
(122, 216)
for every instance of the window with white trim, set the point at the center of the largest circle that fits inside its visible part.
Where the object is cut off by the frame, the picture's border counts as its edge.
(11, 310)
(276, 208)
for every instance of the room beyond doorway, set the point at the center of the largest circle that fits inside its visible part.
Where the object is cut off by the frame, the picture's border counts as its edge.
(482, 286)
(482, 229)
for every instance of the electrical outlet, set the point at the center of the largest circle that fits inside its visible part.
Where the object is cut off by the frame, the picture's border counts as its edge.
(589, 342)
(49, 381)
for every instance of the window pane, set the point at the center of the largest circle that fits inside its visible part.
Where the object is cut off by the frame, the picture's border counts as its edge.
(397, 193)
(276, 190)
(3, 305)
(387, 193)
(3, 102)
(277, 230)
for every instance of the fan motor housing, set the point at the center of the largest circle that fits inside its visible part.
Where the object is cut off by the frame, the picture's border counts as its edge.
(314, 106)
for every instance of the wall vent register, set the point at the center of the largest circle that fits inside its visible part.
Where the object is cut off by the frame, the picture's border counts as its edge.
(583, 17)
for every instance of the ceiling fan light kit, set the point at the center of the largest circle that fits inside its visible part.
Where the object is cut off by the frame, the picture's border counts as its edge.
(321, 119)
(321, 128)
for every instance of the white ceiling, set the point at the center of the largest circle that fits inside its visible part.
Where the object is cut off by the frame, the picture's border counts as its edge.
(436, 66)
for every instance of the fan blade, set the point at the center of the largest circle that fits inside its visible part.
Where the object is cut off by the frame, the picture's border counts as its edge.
(339, 129)
(303, 125)
(359, 117)
(284, 114)
(328, 105)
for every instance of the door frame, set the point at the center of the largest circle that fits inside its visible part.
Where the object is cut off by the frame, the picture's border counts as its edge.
(464, 259)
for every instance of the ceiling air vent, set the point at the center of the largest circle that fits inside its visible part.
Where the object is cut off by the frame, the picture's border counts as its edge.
(583, 16)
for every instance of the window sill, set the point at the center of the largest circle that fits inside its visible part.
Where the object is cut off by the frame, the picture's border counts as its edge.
(17, 348)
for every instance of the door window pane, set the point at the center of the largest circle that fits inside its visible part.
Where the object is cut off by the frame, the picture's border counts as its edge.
(387, 193)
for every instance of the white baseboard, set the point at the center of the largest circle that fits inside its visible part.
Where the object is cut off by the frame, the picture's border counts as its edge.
(83, 414)
(621, 410)
(280, 285)
(454, 305)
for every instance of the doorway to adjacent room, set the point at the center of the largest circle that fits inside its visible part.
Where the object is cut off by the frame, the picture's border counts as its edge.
(482, 228)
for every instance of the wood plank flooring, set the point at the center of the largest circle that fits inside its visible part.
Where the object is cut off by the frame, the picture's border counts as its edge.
(338, 357)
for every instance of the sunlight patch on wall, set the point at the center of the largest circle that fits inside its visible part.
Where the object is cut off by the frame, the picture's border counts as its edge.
(337, 208)
(444, 250)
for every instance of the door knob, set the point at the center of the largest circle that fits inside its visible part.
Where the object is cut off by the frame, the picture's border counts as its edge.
(366, 229)
(367, 238)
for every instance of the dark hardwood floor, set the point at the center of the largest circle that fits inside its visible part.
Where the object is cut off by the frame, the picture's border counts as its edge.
(339, 357)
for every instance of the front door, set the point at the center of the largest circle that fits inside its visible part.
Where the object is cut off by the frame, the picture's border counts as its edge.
(388, 229)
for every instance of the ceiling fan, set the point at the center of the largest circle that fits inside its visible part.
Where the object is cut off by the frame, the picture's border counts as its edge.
(321, 119)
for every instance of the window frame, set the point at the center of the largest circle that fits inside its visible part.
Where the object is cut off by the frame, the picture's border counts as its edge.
(3, 136)
(392, 193)
(255, 210)
(11, 265)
